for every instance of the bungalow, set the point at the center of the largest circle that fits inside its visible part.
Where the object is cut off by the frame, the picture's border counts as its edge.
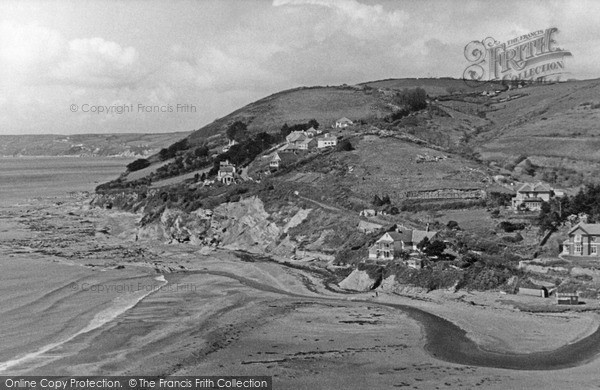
(226, 174)
(343, 122)
(326, 142)
(530, 196)
(388, 246)
(584, 240)
(282, 159)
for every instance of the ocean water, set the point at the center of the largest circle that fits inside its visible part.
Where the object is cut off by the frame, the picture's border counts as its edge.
(45, 301)
(25, 178)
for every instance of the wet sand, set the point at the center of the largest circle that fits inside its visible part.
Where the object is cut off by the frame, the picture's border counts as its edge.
(221, 315)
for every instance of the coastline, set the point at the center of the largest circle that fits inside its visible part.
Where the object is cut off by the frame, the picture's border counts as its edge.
(269, 293)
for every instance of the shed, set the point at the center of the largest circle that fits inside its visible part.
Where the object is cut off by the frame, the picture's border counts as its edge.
(567, 298)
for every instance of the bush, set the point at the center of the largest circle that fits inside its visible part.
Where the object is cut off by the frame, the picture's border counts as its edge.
(138, 164)
(345, 146)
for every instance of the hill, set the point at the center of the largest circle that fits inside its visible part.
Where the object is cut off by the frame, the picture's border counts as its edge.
(82, 145)
(419, 166)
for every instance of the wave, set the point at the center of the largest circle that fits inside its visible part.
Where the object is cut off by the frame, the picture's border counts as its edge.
(119, 306)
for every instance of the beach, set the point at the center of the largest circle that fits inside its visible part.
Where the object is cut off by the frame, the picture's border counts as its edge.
(82, 296)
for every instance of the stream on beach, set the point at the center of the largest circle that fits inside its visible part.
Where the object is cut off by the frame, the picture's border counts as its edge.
(56, 313)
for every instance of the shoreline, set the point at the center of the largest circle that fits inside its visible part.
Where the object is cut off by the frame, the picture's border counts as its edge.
(487, 323)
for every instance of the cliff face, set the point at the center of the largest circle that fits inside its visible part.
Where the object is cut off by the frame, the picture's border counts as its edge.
(243, 225)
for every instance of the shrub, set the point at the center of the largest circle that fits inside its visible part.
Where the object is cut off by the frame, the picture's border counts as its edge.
(345, 146)
(138, 164)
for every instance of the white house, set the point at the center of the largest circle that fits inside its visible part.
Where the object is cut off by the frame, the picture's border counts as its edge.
(327, 141)
(343, 122)
(388, 246)
(226, 174)
(531, 196)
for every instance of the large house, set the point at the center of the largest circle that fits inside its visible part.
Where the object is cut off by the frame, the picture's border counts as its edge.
(391, 243)
(326, 141)
(343, 122)
(226, 174)
(584, 240)
(282, 159)
(531, 196)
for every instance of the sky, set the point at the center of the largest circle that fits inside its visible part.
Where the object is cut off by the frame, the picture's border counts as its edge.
(84, 66)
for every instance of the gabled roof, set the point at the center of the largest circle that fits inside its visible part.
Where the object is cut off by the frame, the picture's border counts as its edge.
(419, 235)
(305, 141)
(343, 120)
(589, 228)
(295, 136)
(537, 187)
(311, 130)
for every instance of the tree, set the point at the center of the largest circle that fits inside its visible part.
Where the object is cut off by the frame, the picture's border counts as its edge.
(138, 164)
(313, 123)
(345, 146)
(285, 130)
(433, 248)
(201, 151)
(377, 201)
(237, 131)
(452, 225)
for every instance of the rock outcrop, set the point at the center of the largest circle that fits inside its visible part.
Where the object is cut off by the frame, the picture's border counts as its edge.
(358, 281)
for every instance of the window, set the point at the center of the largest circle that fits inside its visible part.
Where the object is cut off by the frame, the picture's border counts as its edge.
(578, 238)
(594, 250)
(578, 248)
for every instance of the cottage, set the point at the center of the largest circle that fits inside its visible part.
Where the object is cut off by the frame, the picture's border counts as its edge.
(226, 174)
(391, 243)
(530, 196)
(343, 122)
(296, 136)
(306, 144)
(282, 159)
(584, 240)
(326, 141)
(312, 132)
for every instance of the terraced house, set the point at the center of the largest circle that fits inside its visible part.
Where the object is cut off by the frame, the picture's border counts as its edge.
(584, 240)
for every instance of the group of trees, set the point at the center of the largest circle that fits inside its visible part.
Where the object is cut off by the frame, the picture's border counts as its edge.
(172, 150)
(555, 212)
(237, 131)
(138, 164)
(413, 99)
(286, 129)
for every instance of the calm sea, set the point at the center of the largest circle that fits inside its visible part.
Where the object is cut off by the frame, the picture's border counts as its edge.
(25, 178)
(44, 301)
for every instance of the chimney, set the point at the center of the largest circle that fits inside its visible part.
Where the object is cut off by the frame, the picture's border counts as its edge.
(427, 228)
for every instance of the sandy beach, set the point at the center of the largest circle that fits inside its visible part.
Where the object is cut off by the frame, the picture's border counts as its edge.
(218, 315)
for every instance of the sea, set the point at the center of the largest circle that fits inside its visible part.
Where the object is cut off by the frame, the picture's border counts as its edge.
(46, 301)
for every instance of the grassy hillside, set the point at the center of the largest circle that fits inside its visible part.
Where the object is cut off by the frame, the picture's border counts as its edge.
(325, 104)
(553, 126)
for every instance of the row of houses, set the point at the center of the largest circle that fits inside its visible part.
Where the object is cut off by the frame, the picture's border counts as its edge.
(308, 140)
